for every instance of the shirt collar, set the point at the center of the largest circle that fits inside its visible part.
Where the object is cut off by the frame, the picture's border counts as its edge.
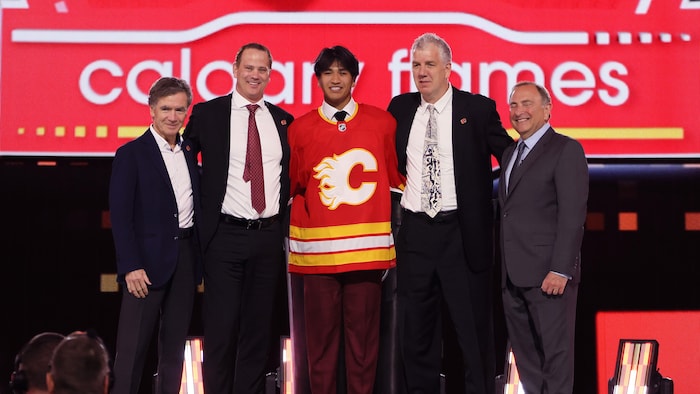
(328, 110)
(441, 103)
(238, 101)
(534, 138)
(162, 143)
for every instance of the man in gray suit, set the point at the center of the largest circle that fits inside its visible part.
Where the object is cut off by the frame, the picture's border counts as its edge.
(543, 193)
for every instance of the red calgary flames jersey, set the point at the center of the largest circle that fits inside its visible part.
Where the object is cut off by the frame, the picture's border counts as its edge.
(341, 174)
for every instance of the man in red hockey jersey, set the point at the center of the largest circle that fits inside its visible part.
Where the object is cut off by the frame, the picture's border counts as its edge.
(343, 164)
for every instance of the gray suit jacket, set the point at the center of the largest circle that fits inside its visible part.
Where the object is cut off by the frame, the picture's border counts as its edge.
(542, 217)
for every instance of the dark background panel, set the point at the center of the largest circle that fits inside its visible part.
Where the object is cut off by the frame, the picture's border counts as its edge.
(55, 246)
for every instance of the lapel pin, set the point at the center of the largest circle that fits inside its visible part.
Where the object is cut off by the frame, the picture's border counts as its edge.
(188, 148)
(284, 122)
(463, 121)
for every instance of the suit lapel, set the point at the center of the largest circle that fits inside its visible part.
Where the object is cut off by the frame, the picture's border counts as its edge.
(223, 123)
(156, 158)
(507, 154)
(460, 127)
(192, 167)
(531, 158)
(280, 123)
(403, 129)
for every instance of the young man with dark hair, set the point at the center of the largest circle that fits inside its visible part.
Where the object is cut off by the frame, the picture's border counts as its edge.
(343, 164)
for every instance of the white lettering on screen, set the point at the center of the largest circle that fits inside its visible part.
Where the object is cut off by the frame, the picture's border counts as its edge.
(572, 83)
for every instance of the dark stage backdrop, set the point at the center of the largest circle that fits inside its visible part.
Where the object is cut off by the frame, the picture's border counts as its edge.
(640, 252)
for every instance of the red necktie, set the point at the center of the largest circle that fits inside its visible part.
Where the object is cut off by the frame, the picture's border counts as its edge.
(253, 171)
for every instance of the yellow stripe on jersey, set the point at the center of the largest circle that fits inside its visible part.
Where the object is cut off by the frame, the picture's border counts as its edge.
(348, 230)
(335, 259)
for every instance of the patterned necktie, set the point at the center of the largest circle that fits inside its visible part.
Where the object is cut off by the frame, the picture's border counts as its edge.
(516, 163)
(431, 195)
(253, 171)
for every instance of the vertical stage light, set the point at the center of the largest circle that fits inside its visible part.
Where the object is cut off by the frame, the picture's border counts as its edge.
(192, 382)
(636, 362)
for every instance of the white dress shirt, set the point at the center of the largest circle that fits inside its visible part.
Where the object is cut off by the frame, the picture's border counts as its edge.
(237, 201)
(411, 198)
(175, 163)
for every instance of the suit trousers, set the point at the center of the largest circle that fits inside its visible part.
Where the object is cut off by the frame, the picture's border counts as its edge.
(242, 271)
(432, 270)
(541, 332)
(171, 308)
(342, 305)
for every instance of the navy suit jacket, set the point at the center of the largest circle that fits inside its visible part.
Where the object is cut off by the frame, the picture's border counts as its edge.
(477, 134)
(209, 131)
(144, 212)
(542, 216)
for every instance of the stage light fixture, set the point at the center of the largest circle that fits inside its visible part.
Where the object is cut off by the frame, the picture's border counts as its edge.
(192, 382)
(635, 369)
(636, 360)
(509, 382)
(286, 372)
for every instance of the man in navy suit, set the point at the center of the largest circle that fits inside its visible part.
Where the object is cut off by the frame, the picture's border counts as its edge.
(543, 192)
(245, 191)
(445, 247)
(153, 198)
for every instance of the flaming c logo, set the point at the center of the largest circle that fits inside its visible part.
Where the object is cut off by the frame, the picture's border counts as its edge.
(333, 173)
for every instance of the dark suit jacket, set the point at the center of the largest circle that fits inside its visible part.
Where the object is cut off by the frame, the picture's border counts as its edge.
(209, 131)
(543, 215)
(477, 133)
(143, 210)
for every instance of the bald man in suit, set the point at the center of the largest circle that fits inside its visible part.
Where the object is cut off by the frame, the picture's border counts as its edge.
(543, 192)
